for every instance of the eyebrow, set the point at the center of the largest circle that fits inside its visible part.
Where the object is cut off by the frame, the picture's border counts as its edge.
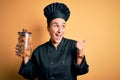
(57, 23)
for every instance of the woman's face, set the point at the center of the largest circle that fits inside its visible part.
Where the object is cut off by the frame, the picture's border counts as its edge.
(56, 29)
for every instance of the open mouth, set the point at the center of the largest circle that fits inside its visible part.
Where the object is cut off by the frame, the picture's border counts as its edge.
(58, 36)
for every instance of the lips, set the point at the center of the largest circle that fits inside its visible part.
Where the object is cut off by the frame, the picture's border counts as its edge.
(58, 36)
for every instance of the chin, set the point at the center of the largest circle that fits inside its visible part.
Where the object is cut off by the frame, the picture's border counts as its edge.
(58, 41)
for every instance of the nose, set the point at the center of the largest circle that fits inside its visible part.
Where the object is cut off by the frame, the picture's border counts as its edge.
(60, 29)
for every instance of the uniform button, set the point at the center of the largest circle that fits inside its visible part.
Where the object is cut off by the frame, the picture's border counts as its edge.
(63, 62)
(51, 62)
(52, 78)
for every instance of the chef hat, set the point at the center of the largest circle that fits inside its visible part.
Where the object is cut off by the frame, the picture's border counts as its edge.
(56, 10)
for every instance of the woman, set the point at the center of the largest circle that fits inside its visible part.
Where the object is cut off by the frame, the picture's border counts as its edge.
(59, 58)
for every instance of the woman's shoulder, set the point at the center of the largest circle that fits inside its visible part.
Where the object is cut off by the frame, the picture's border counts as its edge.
(40, 47)
(69, 40)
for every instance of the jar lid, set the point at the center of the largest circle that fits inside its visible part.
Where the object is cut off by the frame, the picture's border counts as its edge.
(24, 32)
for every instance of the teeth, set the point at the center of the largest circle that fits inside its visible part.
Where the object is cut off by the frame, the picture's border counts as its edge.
(57, 35)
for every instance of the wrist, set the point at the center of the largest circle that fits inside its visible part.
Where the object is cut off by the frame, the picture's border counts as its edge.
(26, 59)
(80, 56)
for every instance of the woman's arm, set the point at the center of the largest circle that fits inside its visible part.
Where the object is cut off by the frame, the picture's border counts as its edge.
(28, 69)
(80, 65)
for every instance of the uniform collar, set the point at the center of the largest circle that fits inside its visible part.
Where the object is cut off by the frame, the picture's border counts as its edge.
(59, 46)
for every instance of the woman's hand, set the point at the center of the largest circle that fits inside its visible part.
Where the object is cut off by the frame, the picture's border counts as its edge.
(80, 53)
(25, 55)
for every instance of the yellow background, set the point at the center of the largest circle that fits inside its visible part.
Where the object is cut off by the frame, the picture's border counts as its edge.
(96, 21)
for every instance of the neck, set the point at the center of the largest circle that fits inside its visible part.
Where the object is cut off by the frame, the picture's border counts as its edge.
(55, 43)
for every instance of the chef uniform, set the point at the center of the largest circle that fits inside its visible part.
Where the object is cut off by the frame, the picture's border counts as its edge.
(50, 63)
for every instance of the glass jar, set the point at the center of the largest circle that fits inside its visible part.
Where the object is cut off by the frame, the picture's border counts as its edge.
(24, 41)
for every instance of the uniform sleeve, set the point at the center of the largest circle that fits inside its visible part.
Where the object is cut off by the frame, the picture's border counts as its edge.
(81, 69)
(28, 70)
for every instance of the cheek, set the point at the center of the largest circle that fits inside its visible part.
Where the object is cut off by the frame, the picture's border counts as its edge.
(63, 31)
(55, 30)
(52, 31)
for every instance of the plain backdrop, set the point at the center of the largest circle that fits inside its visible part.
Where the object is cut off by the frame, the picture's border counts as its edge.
(96, 21)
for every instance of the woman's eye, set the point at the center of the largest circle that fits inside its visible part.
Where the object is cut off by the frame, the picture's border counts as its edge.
(55, 26)
(63, 26)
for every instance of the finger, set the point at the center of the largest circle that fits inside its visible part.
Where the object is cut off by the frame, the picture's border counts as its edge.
(84, 41)
(27, 53)
(16, 51)
(80, 43)
(30, 45)
(16, 46)
(19, 55)
(24, 30)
